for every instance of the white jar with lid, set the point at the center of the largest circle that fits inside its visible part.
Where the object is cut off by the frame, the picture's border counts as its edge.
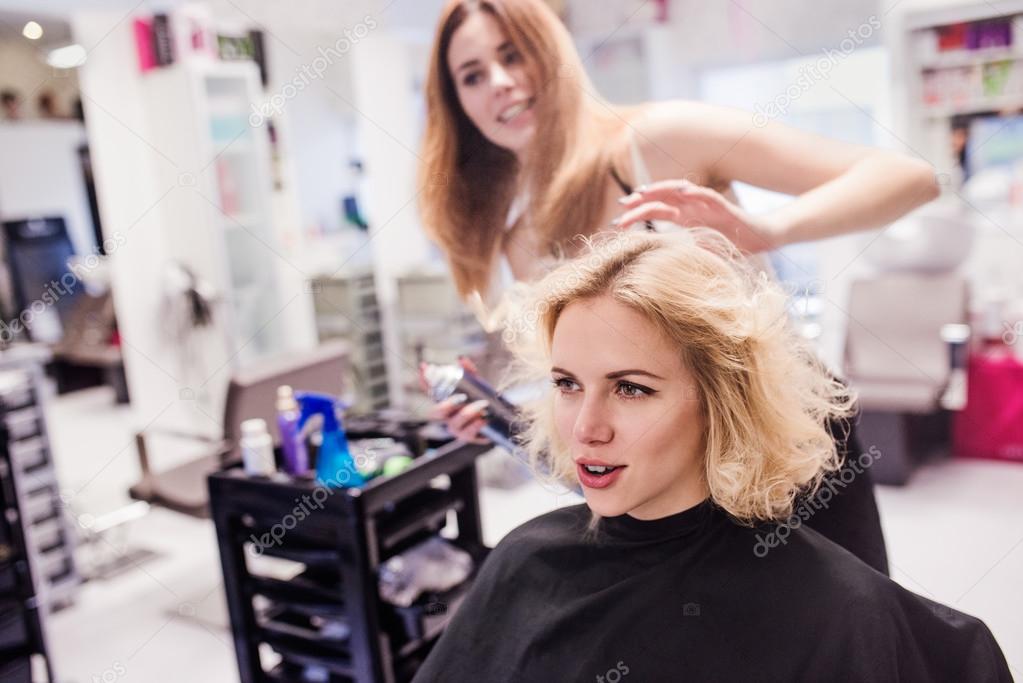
(257, 448)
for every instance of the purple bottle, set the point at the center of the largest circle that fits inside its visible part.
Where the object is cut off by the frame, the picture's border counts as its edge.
(296, 457)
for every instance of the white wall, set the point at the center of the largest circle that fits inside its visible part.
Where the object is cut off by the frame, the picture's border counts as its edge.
(40, 176)
(846, 105)
(730, 33)
(318, 126)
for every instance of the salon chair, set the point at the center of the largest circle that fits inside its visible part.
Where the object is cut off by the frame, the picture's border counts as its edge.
(898, 364)
(88, 344)
(251, 393)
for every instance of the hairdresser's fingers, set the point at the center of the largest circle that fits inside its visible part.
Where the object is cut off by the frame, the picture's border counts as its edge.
(468, 364)
(471, 433)
(663, 190)
(468, 422)
(652, 211)
(674, 192)
(446, 408)
(467, 414)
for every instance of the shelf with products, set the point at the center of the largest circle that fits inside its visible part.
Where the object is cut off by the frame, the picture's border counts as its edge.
(991, 87)
(958, 96)
(992, 106)
(956, 62)
(964, 58)
(307, 602)
(226, 231)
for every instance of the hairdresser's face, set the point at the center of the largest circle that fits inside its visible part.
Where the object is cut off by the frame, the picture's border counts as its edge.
(492, 82)
(624, 398)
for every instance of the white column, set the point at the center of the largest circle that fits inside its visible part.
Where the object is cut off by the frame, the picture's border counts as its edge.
(124, 166)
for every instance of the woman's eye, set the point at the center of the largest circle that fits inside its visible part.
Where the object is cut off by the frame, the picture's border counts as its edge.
(630, 390)
(471, 79)
(512, 57)
(564, 384)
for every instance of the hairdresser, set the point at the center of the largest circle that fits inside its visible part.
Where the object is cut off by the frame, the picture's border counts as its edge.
(521, 156)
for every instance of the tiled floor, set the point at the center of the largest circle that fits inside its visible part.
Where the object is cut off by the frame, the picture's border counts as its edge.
(954, 534)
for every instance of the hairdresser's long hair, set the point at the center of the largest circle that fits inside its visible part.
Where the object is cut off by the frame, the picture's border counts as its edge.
(468, 183)
(765, 397)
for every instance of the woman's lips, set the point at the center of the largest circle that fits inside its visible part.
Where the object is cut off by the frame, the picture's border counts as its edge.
(597, 481)
(515, 111)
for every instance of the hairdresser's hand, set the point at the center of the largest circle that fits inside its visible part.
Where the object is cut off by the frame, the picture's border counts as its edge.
(464, 421)
(690, 205)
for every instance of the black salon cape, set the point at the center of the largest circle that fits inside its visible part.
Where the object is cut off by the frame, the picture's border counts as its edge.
(684, 598)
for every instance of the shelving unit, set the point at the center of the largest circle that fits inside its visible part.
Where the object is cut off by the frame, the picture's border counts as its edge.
(984, 115)
(219, 222)
(308, 607)
(346, 308)
(25, 445)
(933, 85)
(434, 326)
(37, 568)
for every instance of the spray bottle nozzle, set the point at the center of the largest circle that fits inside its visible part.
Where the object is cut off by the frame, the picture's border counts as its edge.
(334, 464)
(326, 405)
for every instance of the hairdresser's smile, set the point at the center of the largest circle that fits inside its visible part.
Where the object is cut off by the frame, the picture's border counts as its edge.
(517, 113)
(626, 410)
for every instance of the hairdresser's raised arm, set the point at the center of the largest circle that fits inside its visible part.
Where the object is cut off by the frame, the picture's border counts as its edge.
(838, 187)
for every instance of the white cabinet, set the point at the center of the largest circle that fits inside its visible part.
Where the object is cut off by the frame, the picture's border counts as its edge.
(220, 219)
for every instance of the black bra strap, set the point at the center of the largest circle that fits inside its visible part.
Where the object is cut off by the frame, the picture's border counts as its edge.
(627, 189)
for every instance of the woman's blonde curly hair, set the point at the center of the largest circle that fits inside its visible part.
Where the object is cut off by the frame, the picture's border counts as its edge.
(765, 397)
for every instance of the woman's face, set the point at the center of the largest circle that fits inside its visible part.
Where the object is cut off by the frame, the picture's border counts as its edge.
(492, 82)
(624, 399)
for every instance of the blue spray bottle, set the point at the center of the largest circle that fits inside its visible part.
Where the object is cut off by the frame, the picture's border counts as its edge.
(334, 463)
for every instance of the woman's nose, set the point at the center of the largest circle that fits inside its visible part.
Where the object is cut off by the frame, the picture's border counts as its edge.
(592, 424)
(500, 79)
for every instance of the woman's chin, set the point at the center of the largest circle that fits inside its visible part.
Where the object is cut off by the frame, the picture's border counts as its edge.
(604, 505)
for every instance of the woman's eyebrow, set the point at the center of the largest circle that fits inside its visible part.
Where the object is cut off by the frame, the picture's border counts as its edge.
(466, 65)
(611, 375)
(623, 373)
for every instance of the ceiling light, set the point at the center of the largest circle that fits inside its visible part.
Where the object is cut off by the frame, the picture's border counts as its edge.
(32, 31)
(67, 57)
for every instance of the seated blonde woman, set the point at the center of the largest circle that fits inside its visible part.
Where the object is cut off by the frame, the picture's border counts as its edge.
(693, 418)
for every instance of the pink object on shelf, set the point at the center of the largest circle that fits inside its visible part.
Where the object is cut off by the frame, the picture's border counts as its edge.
(144, 44)
(991, 424)
(228, 188)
